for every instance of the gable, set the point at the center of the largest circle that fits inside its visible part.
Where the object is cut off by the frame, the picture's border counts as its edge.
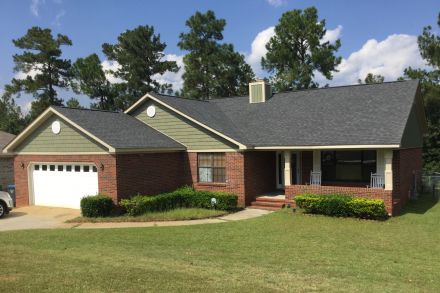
(413, 133)
(69, 140)
(186, 132)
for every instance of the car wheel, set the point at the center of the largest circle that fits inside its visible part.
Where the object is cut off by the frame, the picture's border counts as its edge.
(2, 209)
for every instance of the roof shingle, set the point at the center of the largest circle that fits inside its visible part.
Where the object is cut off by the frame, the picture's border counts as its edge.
(119, 130)
(374, 114)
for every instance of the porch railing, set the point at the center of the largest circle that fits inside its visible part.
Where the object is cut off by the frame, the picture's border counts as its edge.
(315, 178)
(377, 181)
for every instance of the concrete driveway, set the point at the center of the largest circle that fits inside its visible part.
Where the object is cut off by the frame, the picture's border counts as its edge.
(36, 217)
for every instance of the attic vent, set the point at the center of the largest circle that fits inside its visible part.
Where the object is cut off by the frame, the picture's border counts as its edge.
(259, 91)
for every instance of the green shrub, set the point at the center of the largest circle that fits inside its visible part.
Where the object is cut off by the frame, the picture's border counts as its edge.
(96, 206)
(185, 197)
(342, 206)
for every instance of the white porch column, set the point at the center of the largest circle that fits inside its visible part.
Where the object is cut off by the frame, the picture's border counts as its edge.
(388, 160)
(287, 170)
(316, 161)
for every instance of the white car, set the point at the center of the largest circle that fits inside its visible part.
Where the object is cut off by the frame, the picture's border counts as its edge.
(6, 203)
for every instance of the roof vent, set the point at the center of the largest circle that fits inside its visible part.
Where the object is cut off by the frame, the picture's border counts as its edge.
(259, 91)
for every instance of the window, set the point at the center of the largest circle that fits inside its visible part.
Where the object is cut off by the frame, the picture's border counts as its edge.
(211, 167)
(37, 167)
(44, 167)
(69, 168)
(353, 166)
(94, 169)
(52, 167)
(77, 168)
(86, 168)
(60, 168)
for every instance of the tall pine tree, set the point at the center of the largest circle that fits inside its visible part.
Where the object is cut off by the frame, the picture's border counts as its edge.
(89, 79)
(140, 55)
(43, 67)
(212, 69)
(298, 50)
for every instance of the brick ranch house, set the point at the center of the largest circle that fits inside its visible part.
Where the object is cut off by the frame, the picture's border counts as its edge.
(362, 140)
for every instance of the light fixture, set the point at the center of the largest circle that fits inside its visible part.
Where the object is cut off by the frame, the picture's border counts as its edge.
(22, 165)
(101, 167)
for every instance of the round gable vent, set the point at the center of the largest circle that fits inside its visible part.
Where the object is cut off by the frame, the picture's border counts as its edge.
(151, 111)
(56, 127)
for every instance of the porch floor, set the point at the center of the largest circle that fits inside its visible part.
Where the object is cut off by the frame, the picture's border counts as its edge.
(278, 194)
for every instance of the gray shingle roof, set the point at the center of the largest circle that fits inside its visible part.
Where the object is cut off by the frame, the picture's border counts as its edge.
(119, 130)
(5, 138)
(346, 115)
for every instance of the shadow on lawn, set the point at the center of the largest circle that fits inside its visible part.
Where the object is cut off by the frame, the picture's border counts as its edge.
(420, 206)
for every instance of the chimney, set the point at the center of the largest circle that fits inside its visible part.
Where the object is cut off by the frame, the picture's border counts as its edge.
(259, 91)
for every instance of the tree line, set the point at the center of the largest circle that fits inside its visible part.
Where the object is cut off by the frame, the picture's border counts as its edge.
(212, 68)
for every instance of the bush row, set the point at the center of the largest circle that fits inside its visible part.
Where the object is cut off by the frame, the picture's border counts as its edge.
(185, 197)
(96, 206)
(342, 206)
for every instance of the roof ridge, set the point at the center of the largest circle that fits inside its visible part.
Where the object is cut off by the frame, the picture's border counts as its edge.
(87, 109)
(346, 85)
(179, 97)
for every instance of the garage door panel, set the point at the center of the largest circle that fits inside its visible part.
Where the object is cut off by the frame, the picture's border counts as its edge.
(61, 187)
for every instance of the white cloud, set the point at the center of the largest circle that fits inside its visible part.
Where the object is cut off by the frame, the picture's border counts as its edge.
(173, 78)
(277, 3)
(388, 58)
(58, 17)
(258, 46)
(332, 35)
(35, 6)
(258, 49)
(109, 66)
(22, 75)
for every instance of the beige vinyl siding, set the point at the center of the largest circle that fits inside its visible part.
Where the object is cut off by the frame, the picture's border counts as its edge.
(413, 135)
(68, 140)
(193, 136)
(257, 93)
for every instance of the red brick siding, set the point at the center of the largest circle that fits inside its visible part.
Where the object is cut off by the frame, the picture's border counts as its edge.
(234, 175)
(406, 162)
(386, 195)
(149, 173)
(260, 174)
(106, 178)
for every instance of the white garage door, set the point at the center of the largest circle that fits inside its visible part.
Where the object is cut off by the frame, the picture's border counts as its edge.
(62, 184)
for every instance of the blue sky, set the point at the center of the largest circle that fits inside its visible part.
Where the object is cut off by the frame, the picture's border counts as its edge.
(376, 36)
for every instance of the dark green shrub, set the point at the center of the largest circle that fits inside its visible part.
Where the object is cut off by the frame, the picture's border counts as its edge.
(342, 206)
(96, 206)
(185, 197)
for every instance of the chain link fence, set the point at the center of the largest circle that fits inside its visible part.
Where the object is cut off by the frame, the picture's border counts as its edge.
(430, 184)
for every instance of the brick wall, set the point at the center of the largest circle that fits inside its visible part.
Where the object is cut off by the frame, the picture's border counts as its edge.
(386, 195)
(150, 173)
(106, 177)
(6, 172)
(234, 175)
(407, 163)
(260, 174)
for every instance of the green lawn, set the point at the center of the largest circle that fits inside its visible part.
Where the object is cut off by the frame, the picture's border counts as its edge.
(172, 215)
(282, 251)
